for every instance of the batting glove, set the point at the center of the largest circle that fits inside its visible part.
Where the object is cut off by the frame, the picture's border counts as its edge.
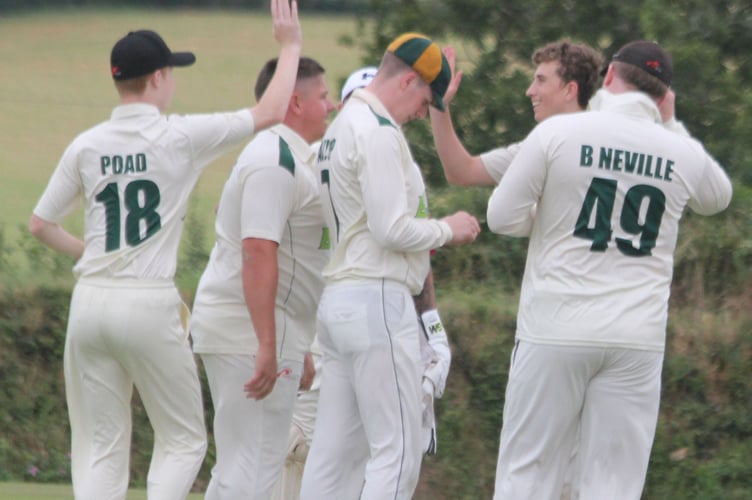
(436, 364)
(428, 421)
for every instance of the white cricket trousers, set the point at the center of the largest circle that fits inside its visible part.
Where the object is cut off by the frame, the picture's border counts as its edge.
(369, 415)
(120, 334)
(250, 436)
(607, 397)
(299, 439)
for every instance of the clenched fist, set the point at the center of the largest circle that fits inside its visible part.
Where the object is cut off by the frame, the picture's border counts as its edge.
(465, 228)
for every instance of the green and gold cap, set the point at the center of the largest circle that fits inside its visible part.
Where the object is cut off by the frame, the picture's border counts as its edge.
(424, 56)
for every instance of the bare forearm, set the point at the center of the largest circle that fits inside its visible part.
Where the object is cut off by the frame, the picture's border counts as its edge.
(272, 106)
(426, 299)
(55, 237)
(259, 277)
(460, 167)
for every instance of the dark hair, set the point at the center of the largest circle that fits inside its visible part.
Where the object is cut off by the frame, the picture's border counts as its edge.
(307, 68)
(640, 79)
(578, 63)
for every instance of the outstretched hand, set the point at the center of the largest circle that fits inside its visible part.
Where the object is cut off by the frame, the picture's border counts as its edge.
(454, 82)
(286, 24)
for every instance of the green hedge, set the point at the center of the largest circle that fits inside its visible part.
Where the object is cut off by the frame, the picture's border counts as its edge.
(701, 449)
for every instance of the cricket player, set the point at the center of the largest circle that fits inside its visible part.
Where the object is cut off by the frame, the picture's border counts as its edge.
(435, 354)
(566, 76)
(610, 187)
(565, 79)
(134, 174)
(255, 310)
(369, 407)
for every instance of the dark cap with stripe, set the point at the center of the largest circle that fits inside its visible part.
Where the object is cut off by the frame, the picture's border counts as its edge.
(424, 56)
(648, 56)
(142, 52)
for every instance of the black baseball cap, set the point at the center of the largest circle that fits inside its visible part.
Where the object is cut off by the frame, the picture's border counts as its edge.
(141, 52)
(648, 56)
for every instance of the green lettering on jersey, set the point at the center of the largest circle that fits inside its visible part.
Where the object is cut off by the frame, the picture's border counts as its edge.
(605, 158)
(618, 160)
(669, 170)
(326, 148)
(130, 166)
(286, 159)
(117, 164)
(141, 199)
(586, 156)
(127, 164)
(631, 162)
(326, 241)
(104, 163)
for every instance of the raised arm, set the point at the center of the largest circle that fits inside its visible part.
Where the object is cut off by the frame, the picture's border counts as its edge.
(666, 106)
(460, 167)
(272, 106)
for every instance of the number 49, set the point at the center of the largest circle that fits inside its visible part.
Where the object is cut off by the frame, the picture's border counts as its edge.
(594, 221)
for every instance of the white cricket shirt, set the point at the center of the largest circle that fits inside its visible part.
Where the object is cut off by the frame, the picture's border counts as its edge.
(497, 161)
(134, 174)
(611, 185)
(272, 193)
(374, 199)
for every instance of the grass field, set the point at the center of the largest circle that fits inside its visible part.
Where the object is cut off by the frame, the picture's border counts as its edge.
(55, 83)
(37, 491)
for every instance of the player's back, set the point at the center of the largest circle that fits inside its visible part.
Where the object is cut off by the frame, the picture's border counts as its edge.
(615, 188)
(136, 172)
(611, 187)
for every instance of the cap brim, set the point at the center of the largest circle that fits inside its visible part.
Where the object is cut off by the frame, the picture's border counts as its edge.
(182, 59)
(438, 101)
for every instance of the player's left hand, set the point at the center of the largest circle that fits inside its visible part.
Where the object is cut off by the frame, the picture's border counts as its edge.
(265, 376)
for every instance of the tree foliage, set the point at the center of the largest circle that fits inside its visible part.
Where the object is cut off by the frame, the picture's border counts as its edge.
(709, 41)
(339, 6)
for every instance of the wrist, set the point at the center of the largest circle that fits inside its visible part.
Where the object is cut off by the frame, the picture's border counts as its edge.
(267, 343)
(294, 47)
(446, 233)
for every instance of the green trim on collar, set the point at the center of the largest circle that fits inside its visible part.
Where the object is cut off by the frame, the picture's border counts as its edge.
(382, 120)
